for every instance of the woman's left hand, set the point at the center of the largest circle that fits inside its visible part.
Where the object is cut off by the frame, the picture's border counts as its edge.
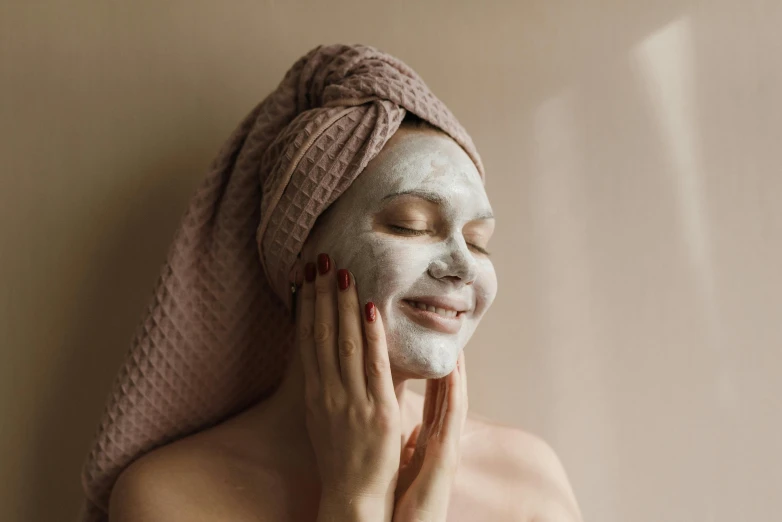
(431, 456)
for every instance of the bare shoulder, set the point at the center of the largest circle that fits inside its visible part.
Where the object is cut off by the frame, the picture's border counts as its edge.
(525, 452)
(187, 480)
(151, 489)
(524, 466)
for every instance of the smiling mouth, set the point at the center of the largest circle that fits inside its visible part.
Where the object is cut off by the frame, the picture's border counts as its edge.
(440, 319)
(445, 312)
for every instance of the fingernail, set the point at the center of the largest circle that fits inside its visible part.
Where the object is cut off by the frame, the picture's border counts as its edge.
(369, 310)
(343, 278)
(324, 263)
(309, 272)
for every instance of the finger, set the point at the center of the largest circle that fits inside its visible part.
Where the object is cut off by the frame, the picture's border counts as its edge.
(428, 417)
(304, 328)
(325, 331)
(431, 411)
(453, 405)
(430, 401)
(380, 386)
(442, 389)
(351, 342)
(409, 448)
(462, 365)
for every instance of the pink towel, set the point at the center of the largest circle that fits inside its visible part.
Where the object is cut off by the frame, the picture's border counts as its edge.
(216, 335)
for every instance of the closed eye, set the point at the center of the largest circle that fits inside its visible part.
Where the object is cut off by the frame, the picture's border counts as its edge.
(414, 232)
(408, 231)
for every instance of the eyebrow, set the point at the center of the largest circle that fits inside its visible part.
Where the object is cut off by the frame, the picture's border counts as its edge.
(433, 198)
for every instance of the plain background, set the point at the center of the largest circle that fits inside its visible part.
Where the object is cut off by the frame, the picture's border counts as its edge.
(633, 155)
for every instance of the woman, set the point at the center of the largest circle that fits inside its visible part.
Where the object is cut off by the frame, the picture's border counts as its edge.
(388, 274)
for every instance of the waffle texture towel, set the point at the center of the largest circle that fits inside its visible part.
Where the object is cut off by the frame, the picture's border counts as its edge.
(216, 335)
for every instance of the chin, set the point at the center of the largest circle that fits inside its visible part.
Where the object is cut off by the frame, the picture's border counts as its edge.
(424, 362)
(435, 373)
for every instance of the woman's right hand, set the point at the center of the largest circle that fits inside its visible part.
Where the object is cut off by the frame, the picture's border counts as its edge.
(353, 415)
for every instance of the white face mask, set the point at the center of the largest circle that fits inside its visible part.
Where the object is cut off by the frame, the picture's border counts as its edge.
(441, 259)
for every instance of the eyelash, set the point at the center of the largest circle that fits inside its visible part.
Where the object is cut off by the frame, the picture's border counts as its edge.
(412, 232)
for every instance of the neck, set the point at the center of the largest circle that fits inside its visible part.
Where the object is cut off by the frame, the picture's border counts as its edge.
(284, 412)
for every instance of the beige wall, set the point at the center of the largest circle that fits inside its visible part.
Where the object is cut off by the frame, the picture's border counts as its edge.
(633, 156)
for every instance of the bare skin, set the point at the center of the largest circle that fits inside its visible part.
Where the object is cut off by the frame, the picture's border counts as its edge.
(262, 464)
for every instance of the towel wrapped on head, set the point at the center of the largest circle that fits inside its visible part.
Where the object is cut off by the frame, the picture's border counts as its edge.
(217, 334)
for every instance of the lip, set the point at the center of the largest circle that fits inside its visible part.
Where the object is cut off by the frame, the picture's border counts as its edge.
(449, 303)
(425, 318)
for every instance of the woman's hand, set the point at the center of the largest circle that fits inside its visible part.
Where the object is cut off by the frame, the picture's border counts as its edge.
(353, 415)
(432, 453)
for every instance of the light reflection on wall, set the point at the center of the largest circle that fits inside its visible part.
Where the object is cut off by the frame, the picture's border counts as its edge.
(664, 65)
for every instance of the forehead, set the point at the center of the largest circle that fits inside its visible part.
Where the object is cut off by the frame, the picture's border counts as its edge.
(423, 160)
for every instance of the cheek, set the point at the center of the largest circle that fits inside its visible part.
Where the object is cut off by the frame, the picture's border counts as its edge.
(485, 287)
(398, 265)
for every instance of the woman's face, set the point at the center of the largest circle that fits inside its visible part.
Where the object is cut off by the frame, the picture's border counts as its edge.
(413, 229)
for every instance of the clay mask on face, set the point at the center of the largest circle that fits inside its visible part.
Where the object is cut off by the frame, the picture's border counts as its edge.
(413, 229)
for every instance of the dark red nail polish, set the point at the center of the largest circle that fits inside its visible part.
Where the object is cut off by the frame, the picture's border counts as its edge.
(324, 263)
(343, 278)
(309, 272)
(369, 310)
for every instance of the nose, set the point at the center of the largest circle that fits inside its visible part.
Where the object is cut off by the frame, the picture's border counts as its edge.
(456, 265)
